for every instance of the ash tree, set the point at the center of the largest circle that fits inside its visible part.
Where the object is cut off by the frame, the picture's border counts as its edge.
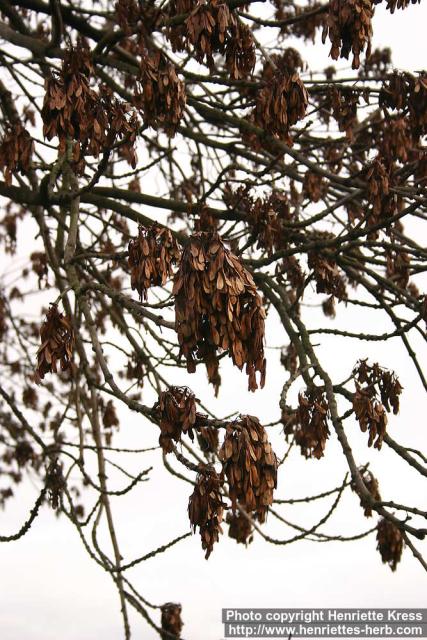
(185, 193)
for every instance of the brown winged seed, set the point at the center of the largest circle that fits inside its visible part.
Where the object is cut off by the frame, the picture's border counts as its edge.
(205, 507)
(250, 466)
(57, 342)
(217, 307)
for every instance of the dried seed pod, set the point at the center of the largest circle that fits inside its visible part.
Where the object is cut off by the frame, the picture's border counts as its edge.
(205, 507)
(171, 620)
(311, 423)
(403, 91)
(301, 25)
(161, 95)
(152, 255)
(281, 104)
(371, 416)
(212, 27)
(55, 483)
(57, 343)
(73, 110)
(349, 25)
(177, 407)
(327, 275)
(240, 55)
(370, 402)
(250, 466)
(267, 218)
(392, 5)
(239, 528)
(217, 307)
(208, 439)
(390, 543)
(16, 147)
(314, 187)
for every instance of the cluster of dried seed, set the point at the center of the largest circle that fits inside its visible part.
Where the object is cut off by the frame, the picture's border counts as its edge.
(327, 275)
(383, 204)
(280, 104)
(162, 95)
(314, 186)
(304, 21)
(310, 424)
(212, 27)
(239, 528)
(152, 255)
(57, 342)
(171, 620)
(205, 507)
(217, 308)
(177, 407)
(369, 410)
(390, 543)
(55, 483)
(403, 91)
(349, 26)
(250, 466)
(73, 110)
(16, 147)
(392, 5)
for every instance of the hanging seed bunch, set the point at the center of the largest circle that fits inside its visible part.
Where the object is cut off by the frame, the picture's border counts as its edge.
(152, 255)
(213, 28)
(343, 103)
(16, 148)
(304, 27)
(281, 104)
(57, 343)
(311, 423)
(383, 204)
(266, 217)
(127, 14)
(161, 96)
(371, 483)
(386, 382)
(208, 439)
(289, 420)
(289, 358)
(395, 140)
(171, 620)
(398, 268)
(55, 483)
(250, 466)
(390, 543)
(177, 33)
(239, 528)
(371, 416)
(349, 26)
(205, 507)
(392, 5)
(327, 275)
(177, 407)
(72, 109)
(240, 55)
(377, 391)
(314, 187)
(217, 307)
(405, 92)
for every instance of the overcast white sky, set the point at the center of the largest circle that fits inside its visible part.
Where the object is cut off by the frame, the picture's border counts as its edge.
(50, 589)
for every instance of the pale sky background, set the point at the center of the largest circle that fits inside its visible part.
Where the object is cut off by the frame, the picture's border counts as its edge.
(51, 590)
